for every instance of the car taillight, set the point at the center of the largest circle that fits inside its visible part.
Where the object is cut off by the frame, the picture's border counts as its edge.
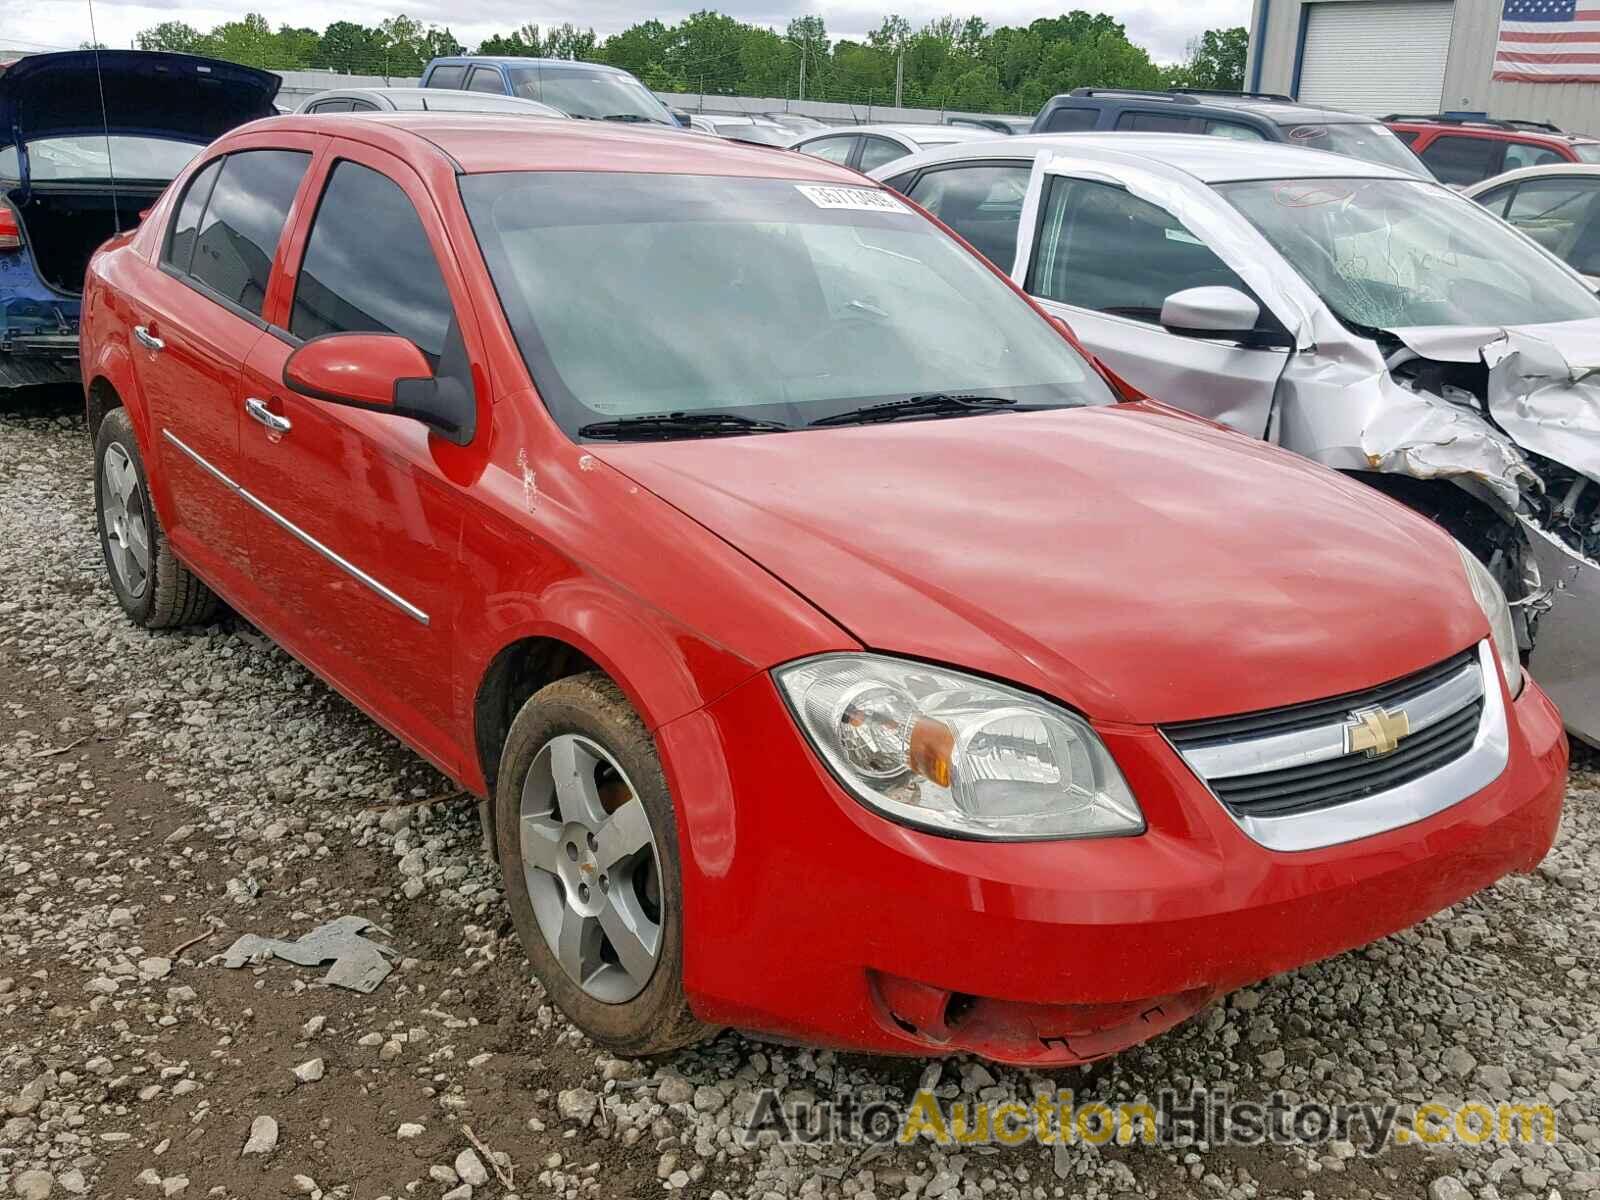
(10, 229)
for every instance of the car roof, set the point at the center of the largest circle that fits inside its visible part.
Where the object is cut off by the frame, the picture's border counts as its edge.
(917, 135)
(1281, 111)
(414, 99)
(1548, 171)
(477, 143)
(512, 60)
(1208, 159)
(1491, 128)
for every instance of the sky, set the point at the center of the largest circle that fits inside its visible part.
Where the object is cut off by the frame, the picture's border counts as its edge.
(1162, 26)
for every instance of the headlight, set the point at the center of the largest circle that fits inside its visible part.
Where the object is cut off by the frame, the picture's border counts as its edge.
(955, 754)
(1486, 589)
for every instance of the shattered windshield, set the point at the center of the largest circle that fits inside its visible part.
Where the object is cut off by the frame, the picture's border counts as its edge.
(1392, 253)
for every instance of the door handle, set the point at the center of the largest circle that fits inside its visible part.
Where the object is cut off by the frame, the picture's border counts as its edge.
(259, 410)
(147, 339)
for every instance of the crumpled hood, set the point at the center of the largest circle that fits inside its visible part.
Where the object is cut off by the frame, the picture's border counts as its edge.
(1138, 564)
(179, 96)
(1543, 384)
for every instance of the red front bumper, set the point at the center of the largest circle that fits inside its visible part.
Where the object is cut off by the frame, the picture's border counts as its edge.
(808, 916)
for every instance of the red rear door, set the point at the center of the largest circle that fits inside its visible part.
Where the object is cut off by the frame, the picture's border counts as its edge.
(197, 320)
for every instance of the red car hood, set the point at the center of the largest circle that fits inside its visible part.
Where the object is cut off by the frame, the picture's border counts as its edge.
(1136, 563)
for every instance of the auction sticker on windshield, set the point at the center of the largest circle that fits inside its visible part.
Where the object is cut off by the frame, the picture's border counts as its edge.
(860, 199)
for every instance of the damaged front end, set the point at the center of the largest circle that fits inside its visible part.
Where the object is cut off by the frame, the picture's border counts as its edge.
(1508, 416)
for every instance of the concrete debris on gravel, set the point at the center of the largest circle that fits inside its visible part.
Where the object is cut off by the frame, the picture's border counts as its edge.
(214, 790)
(358, 963)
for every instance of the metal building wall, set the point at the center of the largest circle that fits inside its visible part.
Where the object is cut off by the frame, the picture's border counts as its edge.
(1275, 27)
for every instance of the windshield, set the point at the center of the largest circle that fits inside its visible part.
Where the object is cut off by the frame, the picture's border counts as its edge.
(1372, 143)
(634, 295)
(1587, 152)
(595, 94)
(63, 158)
(1392, 253)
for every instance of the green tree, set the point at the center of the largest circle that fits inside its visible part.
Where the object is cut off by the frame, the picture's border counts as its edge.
(568, 41)
(249, 41)
(637, 48)
(1215, 60)
(523, 42)
(175, 36)
(957, 62)
(349, 47)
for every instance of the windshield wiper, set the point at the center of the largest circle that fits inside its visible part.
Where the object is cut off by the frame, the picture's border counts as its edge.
(678, 424)
(634, 118)
(929, 404)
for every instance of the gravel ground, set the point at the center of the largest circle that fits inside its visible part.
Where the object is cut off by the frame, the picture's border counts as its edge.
(161, 795)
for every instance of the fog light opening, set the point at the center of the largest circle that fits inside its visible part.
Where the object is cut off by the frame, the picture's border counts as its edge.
(958, 1008)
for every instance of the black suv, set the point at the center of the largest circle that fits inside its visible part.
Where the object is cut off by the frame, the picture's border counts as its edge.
(1248, 116)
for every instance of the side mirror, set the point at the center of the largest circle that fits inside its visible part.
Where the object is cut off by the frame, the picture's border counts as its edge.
(360, 369)
(1210, 312)
(382, 372)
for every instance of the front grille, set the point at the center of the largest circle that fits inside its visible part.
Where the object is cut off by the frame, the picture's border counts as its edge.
(1332, 777)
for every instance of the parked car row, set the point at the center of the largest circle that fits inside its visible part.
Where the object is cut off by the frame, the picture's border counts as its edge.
(1132, 578)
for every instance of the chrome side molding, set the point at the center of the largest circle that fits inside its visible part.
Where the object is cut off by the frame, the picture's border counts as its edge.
(272, 514)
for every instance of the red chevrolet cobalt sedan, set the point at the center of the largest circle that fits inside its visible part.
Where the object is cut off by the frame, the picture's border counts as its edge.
(840, 653)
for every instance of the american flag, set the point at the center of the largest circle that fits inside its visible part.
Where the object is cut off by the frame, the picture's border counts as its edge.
(1549, 41)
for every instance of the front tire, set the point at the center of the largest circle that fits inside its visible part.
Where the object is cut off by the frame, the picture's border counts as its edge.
(588, 845)
(153, 587)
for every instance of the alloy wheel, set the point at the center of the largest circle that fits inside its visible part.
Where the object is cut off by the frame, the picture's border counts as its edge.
(592, 869)
(125, 519)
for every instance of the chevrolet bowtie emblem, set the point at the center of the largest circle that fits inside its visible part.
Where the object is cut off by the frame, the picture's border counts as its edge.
(1375, 731)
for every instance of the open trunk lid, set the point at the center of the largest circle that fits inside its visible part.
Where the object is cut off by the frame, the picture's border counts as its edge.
(146, 93)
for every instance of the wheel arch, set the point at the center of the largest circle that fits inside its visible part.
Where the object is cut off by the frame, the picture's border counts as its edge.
(109, 383)
(518, 670)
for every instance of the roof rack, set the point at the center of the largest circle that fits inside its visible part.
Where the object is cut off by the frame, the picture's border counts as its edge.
(1473, 119)
(1194, 91)
(1092, 91)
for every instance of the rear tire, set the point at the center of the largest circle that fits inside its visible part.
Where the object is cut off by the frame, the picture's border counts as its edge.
(603, 932)
(153, 587)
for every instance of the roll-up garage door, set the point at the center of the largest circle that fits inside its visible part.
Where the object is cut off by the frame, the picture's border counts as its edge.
(1376, 56)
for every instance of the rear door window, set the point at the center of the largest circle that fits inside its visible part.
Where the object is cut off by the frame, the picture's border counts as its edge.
(1155, 122)
(1528, 154)
(1495, 199)
(875, 151)
(981, 202)
(368, 267)
(1455, 159)
(244, 218)
(486, 79)
(331, 106)
(1104, 249)
(1071, 120)
(1234, 130)
(180, 238)
(833, 149)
